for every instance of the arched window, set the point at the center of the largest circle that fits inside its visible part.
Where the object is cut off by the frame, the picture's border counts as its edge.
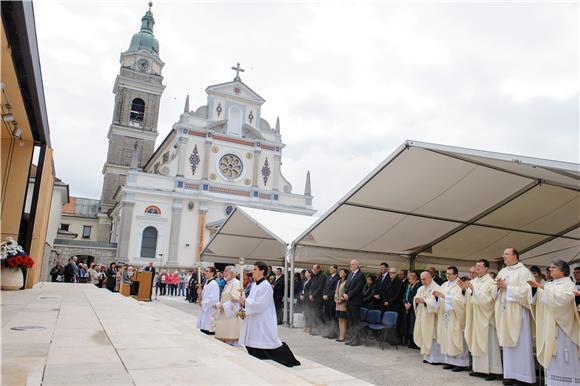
(149, 242)
(235, 121)
(137, 110)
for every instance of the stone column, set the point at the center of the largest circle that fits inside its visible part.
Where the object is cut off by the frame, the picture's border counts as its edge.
(176, 212)
(205, 166)
(181, 155)
(125, 231)
(256, 168)
(200, 232)
(276, 172)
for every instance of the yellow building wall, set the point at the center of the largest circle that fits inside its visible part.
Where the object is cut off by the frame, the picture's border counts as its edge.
(36, 251)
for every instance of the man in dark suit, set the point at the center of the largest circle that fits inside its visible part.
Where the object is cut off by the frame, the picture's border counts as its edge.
(383, 281)
(151, 268)
(71, 271)
(353, 297)
(392, 296)
(330, 321)
(279, 295)
(315, 298)
(435, 276)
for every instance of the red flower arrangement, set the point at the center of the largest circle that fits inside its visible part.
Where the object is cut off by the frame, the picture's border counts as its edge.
(13, 256)
(14, 262)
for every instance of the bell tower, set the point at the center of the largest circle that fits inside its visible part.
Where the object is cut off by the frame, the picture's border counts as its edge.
(137, 89)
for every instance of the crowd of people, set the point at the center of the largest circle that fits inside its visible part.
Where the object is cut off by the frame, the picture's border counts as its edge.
(491, 325)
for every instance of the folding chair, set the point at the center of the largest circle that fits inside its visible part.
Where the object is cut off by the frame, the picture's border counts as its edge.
(388, 324)
(373, 317)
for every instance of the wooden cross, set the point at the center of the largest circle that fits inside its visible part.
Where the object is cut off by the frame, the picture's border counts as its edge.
(237, 69)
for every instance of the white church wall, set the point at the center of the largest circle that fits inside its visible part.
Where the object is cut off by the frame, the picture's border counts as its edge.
(266, 155)
(188, 234)
(191, 145)
(142, 220)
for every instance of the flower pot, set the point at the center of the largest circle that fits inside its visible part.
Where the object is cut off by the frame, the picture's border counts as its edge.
(11, 279)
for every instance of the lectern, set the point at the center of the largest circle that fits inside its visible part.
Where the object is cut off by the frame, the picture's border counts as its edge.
(145, 279)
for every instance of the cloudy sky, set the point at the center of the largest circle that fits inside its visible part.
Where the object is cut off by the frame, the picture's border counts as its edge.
(350, 81)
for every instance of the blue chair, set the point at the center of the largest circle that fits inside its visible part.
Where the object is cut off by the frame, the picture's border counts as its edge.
(387, 324)
(373, 317)
(363, 313)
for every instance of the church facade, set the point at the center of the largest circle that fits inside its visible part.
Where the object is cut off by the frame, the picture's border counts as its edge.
(163, 204)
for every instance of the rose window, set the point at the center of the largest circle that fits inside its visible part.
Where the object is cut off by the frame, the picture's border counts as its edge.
(231, 166)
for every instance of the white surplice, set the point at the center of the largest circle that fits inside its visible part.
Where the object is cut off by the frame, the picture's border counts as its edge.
(210, 296)
(260, 327)
(518, 361)
(564, 369)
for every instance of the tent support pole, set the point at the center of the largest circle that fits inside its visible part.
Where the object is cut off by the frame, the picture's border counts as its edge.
(412, 262)
(291, 279)
(285, 312)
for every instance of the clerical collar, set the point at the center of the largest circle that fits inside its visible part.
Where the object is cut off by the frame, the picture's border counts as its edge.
(261, 280)
(558, 280)
(515, 266)
(209, 281)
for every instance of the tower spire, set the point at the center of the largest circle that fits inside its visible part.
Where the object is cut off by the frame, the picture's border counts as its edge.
(277, 129)
(308, 188)
(186, 108)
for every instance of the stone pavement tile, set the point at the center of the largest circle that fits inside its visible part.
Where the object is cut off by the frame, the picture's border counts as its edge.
(24, 349)
(112, 373)
(11, 336)
(82, 356)
(153, 341)
(155, 358)
(88, 339)
(22, 370)
(214, 375)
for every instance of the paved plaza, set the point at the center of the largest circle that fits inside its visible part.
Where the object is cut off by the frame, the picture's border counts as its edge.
(86, 335)
(92, 336)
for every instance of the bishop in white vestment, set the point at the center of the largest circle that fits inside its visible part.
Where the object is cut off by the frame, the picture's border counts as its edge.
(227, 322)
(259, 331)
(210, 296)
(425, 332)
(557, 327)
(513, 319)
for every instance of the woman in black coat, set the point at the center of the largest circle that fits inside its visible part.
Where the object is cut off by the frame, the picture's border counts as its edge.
(408, 310)
(368, 292)
(111, 277)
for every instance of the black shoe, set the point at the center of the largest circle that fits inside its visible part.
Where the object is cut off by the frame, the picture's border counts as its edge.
(490, 377)
(448, 367)
(332, 336)
(347, 342)
(457, 369)
(340, 340)
(354, 344)
(475, 374)
(509, 382)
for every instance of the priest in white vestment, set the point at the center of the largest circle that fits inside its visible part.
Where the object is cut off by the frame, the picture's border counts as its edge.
(425, 332)
(513, 319)
(259, 332)
(210, 295)
(480, 332)
(558, 327)
(451, 323)
(227, 325)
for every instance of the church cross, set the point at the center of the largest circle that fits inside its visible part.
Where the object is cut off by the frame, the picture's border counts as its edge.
(237, 69)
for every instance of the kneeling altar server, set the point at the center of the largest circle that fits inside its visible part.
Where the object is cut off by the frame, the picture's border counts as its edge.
(259, 332)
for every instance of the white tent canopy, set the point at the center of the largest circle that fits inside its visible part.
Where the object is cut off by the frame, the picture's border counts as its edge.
(255, 234)
(440, 205)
